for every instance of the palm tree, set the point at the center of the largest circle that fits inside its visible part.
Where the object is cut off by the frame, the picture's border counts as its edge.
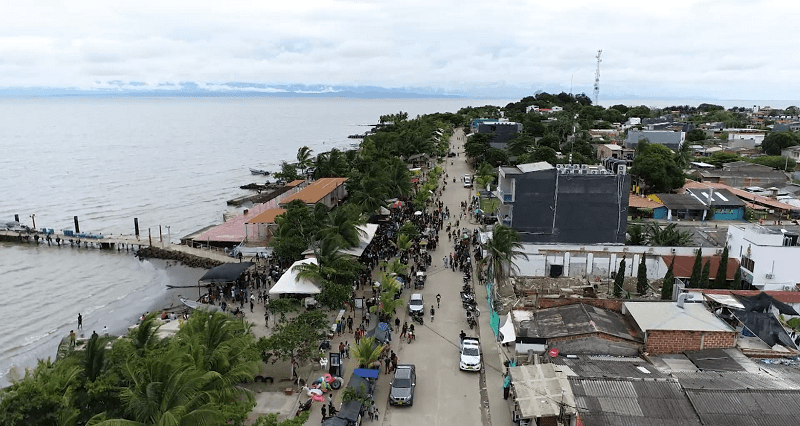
(395, 267)
(304, 158)
(94, 358)
(366, 352)
(388, 304)
(165, 390)
(341, 227)
(331, 265)
(403, 242)
(637, 236)
(501, 250)
(144, 338)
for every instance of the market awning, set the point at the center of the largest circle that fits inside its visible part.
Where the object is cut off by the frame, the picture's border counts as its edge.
(367, 373)
(226, 273)
(507, 330)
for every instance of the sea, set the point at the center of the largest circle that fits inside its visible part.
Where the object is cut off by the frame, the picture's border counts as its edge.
(171, 163)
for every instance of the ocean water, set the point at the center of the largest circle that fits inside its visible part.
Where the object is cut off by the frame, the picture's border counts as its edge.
(170, 162)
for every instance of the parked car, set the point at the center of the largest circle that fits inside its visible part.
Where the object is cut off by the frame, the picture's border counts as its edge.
(401, 390)
(467, 181)
(416, 306)
(470, 354)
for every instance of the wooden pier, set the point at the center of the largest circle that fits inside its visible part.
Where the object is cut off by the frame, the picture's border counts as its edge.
(111, 242)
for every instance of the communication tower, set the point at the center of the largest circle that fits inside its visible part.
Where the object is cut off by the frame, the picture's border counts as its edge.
(597, 77)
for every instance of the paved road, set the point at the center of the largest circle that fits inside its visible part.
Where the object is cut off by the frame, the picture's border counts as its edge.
(445, 395)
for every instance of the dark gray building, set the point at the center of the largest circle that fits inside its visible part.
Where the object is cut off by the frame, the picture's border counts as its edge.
(503, 131)
(565, 204)
(670, 139)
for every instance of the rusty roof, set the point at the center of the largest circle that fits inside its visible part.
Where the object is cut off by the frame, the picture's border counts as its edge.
(294, 183)
(267, 216)
(316, 191)
(642, 202)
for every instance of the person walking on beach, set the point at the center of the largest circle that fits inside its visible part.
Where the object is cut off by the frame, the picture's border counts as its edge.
(80, 321)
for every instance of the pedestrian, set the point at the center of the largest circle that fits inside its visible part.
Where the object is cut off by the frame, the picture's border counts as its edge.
(105, 331)
(251, 305)
(330, 404)
(371, 411)
(433, 312)
(394, 361)
(341, 350)
(438, 299)
(349, 324)
(72, 339)
(80, 321)
(405, 329)
(387, 362)
(324, 413)
(347, 349)
(295, 366)
(396, 325)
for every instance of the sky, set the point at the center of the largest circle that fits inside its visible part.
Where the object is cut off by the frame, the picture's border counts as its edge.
(681, 49)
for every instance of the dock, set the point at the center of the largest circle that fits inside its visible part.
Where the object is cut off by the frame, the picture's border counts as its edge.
(112, 242)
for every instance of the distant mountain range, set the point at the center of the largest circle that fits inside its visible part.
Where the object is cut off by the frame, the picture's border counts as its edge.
(191, 89)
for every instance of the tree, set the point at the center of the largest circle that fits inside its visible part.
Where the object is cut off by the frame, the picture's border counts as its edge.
(696, 135)
(668, 236)
(544, 153)
(737, 279)
(304, 158)
(669, 281)
(409, 229)
(501, 250)
(656, 165)
(636, 235)
(774, 142)
(641, 276)
(619, 279)
(367, 352)
(296, 338)
(721, 279)
(341, 226)
(705, 274)
(697, 270)
(288, 172)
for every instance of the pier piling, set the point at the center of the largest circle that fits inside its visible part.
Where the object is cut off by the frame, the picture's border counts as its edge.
(77, 228)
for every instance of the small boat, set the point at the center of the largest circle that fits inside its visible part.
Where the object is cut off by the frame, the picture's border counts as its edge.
(259, 172)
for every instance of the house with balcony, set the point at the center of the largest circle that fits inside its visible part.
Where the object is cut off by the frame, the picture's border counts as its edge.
(569, 203)
(767, 256)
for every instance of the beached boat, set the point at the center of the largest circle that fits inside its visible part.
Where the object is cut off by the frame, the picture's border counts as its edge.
(259, 172)
(201, 306)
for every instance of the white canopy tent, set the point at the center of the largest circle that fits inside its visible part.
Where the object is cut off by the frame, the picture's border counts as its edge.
(289, 283)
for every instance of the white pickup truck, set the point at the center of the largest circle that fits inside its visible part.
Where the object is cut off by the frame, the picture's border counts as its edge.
(470, 354)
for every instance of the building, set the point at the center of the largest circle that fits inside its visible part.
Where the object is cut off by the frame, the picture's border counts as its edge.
(741, 174)
(541, 394)
(756, 135)
(751, 200)
(579, 329)
(260, 228)
(502, 129)
(568, 204)
(768, 257)
(672, 140)
(680, 207)
(328, 191)
(615, 151)
(792, 152)
(670, 327)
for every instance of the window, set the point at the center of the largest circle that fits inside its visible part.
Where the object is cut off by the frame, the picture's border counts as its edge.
(748, 263)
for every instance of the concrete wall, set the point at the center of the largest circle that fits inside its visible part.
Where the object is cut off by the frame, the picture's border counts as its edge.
(676, 341)
(610, 304)
(595, 261)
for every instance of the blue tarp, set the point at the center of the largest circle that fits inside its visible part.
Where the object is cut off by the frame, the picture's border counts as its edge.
(366, 373)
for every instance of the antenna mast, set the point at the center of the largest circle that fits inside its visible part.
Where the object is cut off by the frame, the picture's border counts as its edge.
(597, 77)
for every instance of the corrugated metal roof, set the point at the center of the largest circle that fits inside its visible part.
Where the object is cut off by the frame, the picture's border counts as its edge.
(541, 389)
(730, 380)
(571, 320)
(315, 192)
(632, 402)
(746, 407)
(668, 316)
(605, 367)
(535, 167)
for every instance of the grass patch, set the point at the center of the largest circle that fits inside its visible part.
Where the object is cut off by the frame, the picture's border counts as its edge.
(490, 205)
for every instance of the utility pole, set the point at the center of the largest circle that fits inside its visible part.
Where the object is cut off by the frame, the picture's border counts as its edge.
(597, 78)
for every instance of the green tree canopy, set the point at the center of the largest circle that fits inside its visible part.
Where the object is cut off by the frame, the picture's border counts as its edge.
(656, 165)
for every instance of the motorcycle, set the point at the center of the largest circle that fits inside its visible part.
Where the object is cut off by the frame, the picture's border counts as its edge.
(471, 321)
(411, 336)
(303, 407)
(417, 318)
(473, 311)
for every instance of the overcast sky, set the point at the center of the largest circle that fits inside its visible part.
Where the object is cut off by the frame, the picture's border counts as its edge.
(680, 49)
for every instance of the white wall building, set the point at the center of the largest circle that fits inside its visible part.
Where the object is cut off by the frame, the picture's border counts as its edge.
(769, 258)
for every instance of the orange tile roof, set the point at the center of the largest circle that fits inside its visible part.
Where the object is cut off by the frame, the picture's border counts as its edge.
(294, 183)
(267, 216)
(744, 195)
(642, 202)
(316, 191)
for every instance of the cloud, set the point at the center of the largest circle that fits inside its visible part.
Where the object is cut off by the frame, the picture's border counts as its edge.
(684, 48)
